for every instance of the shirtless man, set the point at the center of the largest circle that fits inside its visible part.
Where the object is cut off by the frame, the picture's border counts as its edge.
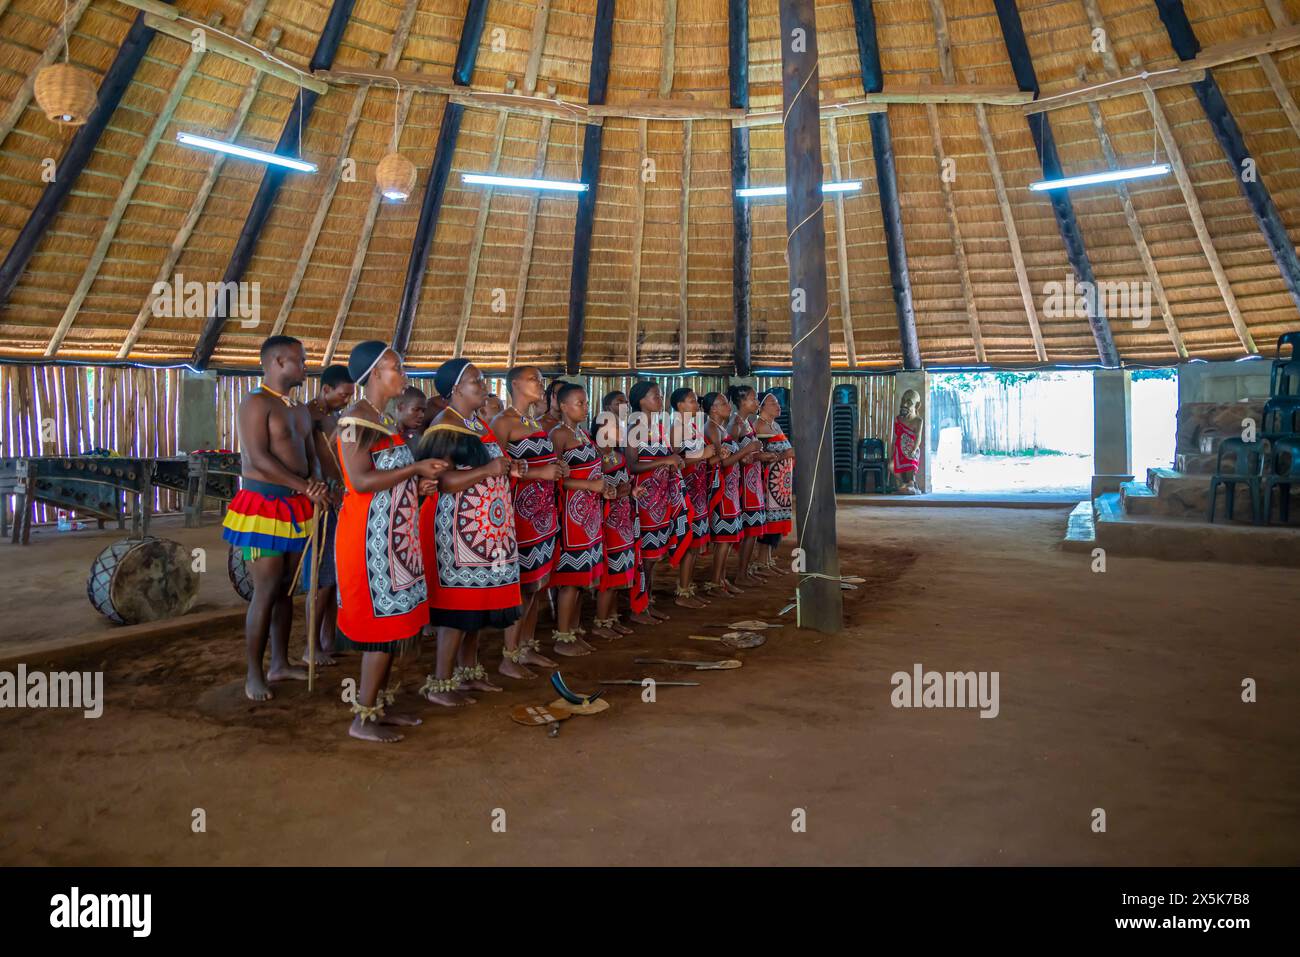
(336, 392)
(270, 518)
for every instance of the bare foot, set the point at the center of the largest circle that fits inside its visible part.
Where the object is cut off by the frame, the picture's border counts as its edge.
(369, 731)
(688, 601)
(732, 589)
(482, 684)
(605, 632)
(323, 659)
(748, 579)
(572, 649)
(513, 669)
(256, 689)
(401, 720)
(621, 628)
(654, 612)
(642, 618)
(534, 657)
(286, 672)
(449, 699)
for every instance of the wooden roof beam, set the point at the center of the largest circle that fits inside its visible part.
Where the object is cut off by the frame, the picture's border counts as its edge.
(396, 45)
(1175, 157)
(1266, 62)
(1228, 134)
(536, 47)
(260, 210)
(76, 156)
(480, 232)
(143, 155)
(1013, 234)
(601, 44)
(841, 249)
(638, 235)
(526, 252)
(431, 205)
(1040, 129)
(192, 217)
(668, 49)
(882, 148)
(683, 300)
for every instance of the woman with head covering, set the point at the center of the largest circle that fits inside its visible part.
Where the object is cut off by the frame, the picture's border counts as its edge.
(692, 532)
(537, 520)
(655, 469)
(382, 590)
(752, 502)
(620, 538)
(778, 479)
(725, 517)
(469, 534)
(583, 493)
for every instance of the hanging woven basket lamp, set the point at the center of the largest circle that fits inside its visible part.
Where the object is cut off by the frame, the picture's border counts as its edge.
(66, 93)
(395, 176)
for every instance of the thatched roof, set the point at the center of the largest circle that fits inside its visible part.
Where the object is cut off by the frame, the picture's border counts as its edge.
(1059, 34)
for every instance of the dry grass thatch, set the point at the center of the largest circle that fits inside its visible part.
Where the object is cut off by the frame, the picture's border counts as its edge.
(331, 261)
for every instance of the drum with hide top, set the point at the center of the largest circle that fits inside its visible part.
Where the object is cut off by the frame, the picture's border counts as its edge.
(137, 580)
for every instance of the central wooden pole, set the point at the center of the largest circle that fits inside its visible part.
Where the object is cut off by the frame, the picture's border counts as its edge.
(820, 600)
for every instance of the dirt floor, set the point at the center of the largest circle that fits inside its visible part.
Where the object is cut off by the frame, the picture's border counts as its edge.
(1119, 691)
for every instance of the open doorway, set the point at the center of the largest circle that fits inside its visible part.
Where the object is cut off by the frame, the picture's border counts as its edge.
(1153, 402)
(1006, 433)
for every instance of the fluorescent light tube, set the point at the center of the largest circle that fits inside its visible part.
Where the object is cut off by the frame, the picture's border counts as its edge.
(848, 186)
(1104, 176)
(234, 149)
(520, 183)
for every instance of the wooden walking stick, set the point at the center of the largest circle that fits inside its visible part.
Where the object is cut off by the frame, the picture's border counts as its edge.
(317, 537)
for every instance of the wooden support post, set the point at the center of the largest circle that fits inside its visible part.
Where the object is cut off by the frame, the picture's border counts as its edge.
(536, 47)
(289, 144)
(601, 44)
(882, 148)
(638, 233)
(183, 234)
(1040, 129)
(1233, 145)
(526, 253)
(1175, 157)
(480, 231)
(738, 81)
(76, 156)
(1013, 235)
(820, 598)
(682, 254)
(53, 50)
(1139, 240)
(143, 156)
(842, 249)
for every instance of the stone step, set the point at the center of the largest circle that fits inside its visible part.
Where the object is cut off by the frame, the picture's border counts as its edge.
(1137, 498)
(1168, 492)
(1195, 463)
(1195, 540)
(1080, 529)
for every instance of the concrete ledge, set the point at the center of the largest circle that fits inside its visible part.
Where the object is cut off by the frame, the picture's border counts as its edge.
(59, 649)
(1046, 500)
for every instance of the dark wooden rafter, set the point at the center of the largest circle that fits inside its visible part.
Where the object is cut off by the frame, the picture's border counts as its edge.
(1040, 129)
(882, 148)
(1183, 39)
(738, 76)
(259, 212)
(602, 43)
(819, 594)
(77, 155)
(417, 266)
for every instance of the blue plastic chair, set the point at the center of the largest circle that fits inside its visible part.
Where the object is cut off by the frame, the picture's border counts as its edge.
(1247, 468)
(1284, 474)
(1281, 418)
(1284, 380)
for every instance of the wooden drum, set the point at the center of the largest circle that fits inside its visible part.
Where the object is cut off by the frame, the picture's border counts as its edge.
(137, 580)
